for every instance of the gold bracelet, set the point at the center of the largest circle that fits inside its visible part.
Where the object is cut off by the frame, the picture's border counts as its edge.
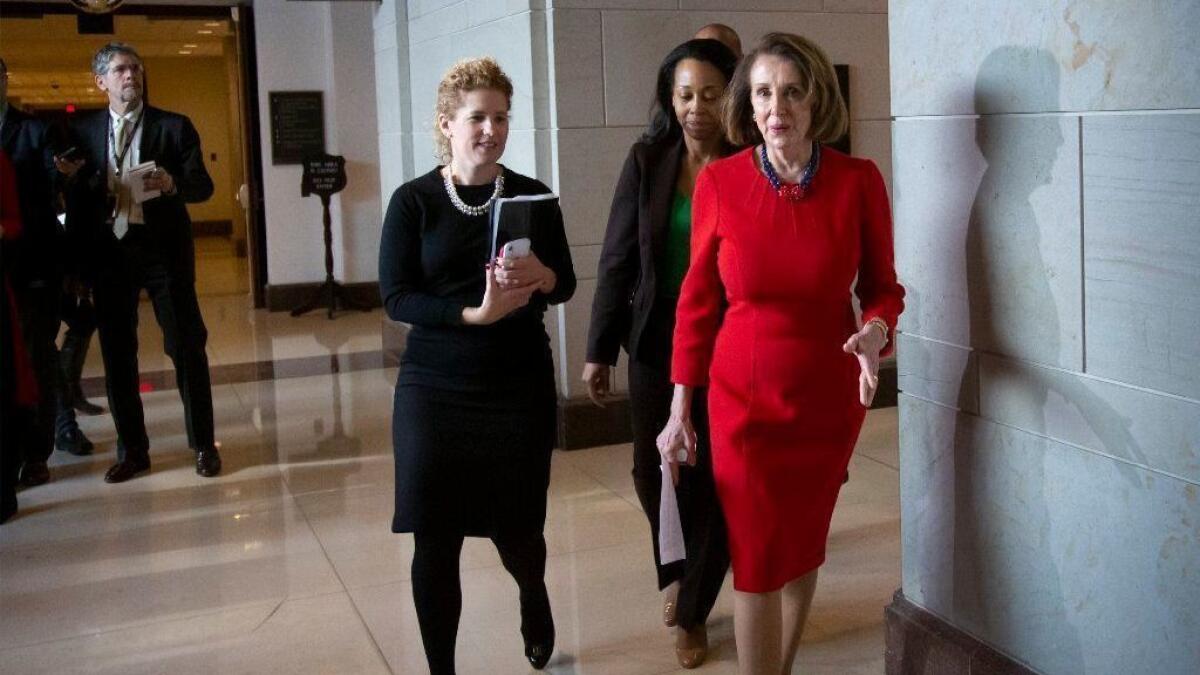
(882, 326)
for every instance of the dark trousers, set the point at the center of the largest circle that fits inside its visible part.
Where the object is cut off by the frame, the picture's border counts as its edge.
(79, 316)
(37, 308)
(133, 266)
(437, 591)
(702, 572)
(10, 415)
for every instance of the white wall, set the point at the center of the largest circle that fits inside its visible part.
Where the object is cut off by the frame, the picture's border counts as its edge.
(321, 46)
(1046, 188)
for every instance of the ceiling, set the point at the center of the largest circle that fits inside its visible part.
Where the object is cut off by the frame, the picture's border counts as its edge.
(49, 63)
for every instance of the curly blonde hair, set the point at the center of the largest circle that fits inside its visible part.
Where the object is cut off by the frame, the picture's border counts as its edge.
(466, 75)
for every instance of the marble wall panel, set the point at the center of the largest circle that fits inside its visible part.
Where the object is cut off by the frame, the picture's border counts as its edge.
(578, 68)
(636, 42)
(438, 23)
(1141, 177)
(586, 259)
(755, 5)
(873, 140)
(1056, 55)
(1150, 429)
(614, 4)
(418, 7)
(1071, 561)
(589, 162)
(507, 40)
(577, 315)
(987, 233)
(938, 372)
(860, 6)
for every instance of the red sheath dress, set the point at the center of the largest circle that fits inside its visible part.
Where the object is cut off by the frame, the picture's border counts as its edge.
(783, 396)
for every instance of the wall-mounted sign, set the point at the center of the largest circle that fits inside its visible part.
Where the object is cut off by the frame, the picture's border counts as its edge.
(297, 126)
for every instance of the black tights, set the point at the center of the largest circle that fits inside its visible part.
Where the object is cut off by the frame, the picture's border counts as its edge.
(437, 591)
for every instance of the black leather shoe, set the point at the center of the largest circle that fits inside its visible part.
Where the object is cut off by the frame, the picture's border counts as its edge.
(74, 442)
(126, 469)
(8, 509)
(34, 473)
(86, 407)
(208, 462)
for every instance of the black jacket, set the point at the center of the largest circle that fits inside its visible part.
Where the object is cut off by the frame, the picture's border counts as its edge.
(626, 285)
(31, 145)
(170, 140)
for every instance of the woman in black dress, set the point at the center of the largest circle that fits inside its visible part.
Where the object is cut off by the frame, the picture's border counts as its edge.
(474, 414)
(642, 264)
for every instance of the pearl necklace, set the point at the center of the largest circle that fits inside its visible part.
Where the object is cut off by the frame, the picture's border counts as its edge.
(466, 208)
(793, 191)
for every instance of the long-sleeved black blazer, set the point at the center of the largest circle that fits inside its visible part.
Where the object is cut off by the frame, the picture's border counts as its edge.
(172, 142)
(31, 145)
(636, 236)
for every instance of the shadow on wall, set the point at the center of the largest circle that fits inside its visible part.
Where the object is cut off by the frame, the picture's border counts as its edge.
(1009, 533)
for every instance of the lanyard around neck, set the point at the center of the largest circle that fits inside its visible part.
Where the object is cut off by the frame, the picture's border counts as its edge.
(112, 142)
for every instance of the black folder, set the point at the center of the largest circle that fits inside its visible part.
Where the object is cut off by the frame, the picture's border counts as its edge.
(521, 216)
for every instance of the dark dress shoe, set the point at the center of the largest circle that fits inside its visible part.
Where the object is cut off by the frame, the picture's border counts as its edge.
(86, 407)
(34, 473)
(7, 510)
(126, 469)
(74, 442)
(208, 462)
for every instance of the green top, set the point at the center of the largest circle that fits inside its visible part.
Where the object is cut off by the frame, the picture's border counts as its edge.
(674, 263)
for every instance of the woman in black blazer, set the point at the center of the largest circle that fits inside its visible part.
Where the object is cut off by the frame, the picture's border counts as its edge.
(645, 256)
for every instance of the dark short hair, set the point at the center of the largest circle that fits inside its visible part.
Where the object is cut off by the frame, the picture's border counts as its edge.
(663, 123)
(830, 118)
(103, 57)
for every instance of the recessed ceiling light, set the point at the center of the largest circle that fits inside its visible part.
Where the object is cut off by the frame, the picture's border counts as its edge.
(91, 90)
(213, 24)
(185, 51)
(204, 32)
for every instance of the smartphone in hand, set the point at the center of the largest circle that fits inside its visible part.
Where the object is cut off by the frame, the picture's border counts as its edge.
(517, 248)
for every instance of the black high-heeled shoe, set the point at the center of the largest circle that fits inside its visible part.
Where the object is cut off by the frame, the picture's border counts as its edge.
(539, 654)
(537, 629)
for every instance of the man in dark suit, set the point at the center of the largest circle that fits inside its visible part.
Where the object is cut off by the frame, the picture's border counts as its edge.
(37, 276)
(126, 237)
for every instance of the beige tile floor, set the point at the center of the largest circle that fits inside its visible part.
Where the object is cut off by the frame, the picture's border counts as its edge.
(285, 563)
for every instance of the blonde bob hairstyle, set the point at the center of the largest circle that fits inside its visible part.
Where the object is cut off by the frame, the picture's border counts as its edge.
(466, 75)
(829, 117)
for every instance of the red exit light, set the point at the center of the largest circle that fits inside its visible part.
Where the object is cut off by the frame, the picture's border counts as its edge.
(70, 108)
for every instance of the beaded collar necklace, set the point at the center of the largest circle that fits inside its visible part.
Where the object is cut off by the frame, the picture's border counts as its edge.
(466, 208)
(792, 191)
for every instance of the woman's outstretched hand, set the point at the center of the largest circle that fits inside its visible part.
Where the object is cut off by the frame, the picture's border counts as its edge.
(866, 345)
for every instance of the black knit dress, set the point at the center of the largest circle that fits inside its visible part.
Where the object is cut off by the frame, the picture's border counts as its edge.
(473, 420)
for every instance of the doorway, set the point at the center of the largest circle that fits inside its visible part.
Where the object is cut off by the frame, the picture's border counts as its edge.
(199, 62)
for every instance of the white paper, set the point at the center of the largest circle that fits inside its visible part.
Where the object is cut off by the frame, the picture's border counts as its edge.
(670, 529)
(137, 188)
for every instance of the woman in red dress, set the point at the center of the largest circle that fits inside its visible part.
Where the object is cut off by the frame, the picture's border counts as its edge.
(780, 232)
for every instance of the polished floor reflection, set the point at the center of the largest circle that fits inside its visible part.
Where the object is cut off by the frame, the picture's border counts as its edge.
(285, 562)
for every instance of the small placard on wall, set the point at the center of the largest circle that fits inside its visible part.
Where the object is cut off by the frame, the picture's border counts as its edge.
(297, 126)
